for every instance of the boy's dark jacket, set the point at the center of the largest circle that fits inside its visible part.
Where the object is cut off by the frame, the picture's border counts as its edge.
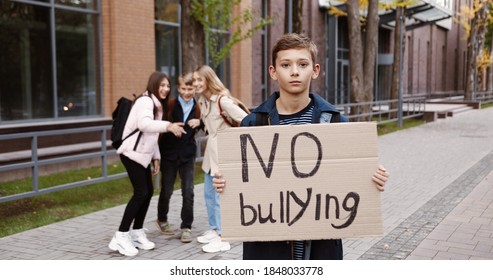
(283, 250)
(185, 147)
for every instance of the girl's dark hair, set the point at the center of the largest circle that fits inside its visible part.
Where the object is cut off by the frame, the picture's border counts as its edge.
(153, 88)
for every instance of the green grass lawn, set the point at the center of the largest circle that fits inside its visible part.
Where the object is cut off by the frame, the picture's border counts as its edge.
(24, 214)
(486, 105)
(391, 127)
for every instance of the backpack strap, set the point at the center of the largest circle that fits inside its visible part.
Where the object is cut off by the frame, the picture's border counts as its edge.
(154, 110)
(132, 133)
(138, 139)
(221, 111)
(171, 108)
(336, 118)
(262, 119)
(197, 109)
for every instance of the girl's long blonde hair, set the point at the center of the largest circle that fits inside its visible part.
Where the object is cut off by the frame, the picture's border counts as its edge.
(214, 84)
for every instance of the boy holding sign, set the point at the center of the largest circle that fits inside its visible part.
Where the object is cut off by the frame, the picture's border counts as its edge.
(293, 66)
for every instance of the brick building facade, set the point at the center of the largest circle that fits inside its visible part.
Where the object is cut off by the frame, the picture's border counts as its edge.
(64, 64)
(119, 41)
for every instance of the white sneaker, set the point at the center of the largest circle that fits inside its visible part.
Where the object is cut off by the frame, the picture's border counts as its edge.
(139, 239)
(217, 245)
(208, 236)
(121, 243)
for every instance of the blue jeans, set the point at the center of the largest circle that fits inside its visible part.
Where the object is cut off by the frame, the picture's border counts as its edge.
(212, 203)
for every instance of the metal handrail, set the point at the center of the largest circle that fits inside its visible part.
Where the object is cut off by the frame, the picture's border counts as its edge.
(484, 97)
(35, 162)
(385, 111)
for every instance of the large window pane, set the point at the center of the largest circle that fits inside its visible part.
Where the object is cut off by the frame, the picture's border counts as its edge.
(167, 10)
(85, 4)
(77, 64)
(27, 80)
(167, 53)
(221, 69)
(26, 90)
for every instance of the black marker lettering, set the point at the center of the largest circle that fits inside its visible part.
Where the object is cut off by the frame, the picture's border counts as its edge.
(353, 209)
(303, 205)
(296, 172)
(242, 207)
(267, 169)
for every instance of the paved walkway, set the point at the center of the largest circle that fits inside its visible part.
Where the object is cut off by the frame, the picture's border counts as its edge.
(438, 205)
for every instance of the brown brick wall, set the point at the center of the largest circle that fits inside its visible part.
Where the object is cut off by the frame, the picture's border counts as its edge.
(435, 63)
(241, 65)
(128, 48)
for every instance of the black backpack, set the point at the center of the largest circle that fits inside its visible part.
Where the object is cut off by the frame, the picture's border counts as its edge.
(120, 116)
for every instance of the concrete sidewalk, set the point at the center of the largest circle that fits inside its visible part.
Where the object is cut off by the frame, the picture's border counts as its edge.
(438, 205)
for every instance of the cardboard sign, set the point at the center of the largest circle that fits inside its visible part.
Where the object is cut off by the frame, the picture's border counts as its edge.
(299, 182)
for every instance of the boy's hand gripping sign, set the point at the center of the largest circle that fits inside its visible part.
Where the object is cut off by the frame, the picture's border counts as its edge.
(299, 182)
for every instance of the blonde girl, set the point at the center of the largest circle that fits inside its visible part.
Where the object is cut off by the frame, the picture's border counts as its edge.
(209, 87)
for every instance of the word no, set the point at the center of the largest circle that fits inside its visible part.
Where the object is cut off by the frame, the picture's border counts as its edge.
(268, 168)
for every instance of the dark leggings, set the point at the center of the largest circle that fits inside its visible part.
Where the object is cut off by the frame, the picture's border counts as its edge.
(138, 205)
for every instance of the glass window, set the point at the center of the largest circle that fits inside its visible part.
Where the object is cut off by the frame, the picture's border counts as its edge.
(26, 90)
(168, 47)
(168, 53)
(30, 88)
(342, 38)
(167, 10)
(77, 64)
(85, 4)
(222, 69)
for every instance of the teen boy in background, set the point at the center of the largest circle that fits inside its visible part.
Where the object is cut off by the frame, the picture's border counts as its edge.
(293, 66)
(178, 156)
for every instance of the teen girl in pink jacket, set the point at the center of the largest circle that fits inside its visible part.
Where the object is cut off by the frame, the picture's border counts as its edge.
(136, 154)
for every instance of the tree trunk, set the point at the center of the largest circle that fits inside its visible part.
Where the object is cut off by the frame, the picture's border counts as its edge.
(192, 39)
(471, 60)
(355, 57)
(489, 81)
(296, 15)
(370, 53)
(489, 77)
(398, 45)
(475, 42)
(482, 30)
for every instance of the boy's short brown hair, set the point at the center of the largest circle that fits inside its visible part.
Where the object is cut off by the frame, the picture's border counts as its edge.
(290, 41)
(186, 79)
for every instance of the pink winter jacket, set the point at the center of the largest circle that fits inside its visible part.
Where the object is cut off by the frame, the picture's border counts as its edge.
(142, 117)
